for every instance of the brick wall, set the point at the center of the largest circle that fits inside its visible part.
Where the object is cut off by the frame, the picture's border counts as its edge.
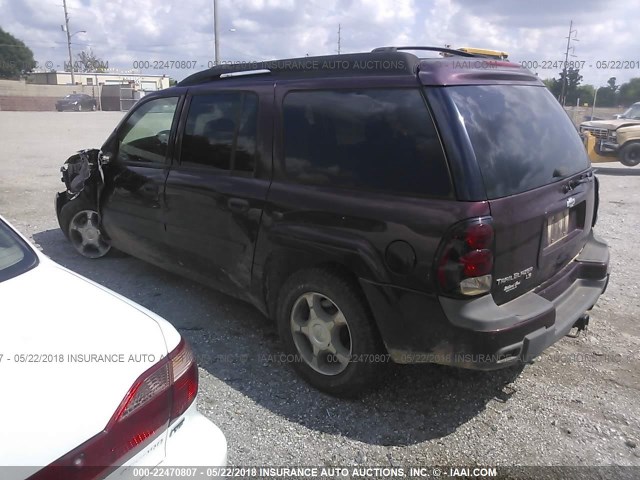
(21, 103)
(18, 95)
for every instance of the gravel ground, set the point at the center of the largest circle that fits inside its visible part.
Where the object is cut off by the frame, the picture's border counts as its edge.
(578, 404)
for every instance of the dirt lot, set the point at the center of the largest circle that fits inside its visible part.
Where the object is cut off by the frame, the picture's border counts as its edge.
(578, 404)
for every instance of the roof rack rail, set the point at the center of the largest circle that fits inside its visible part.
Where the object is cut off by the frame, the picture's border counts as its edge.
(373, 63)
(431, 49)
(242, 73)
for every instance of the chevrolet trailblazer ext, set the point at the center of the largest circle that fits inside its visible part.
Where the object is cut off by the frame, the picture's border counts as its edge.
(375, 205)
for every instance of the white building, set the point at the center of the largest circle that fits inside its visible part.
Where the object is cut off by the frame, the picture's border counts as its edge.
(145, 83)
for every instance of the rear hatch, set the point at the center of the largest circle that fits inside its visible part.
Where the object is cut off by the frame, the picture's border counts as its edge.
(537, 178)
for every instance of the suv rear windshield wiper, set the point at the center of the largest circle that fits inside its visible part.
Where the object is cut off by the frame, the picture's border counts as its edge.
(572, 184)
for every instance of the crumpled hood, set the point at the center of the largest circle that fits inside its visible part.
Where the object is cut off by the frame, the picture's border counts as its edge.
(612, 124)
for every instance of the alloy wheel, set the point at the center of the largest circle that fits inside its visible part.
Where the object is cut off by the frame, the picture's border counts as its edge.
(85, 234)
(321, 333)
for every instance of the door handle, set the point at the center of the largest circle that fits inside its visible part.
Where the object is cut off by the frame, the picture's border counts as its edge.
(238, 205)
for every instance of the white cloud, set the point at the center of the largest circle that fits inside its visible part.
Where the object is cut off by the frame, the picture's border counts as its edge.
(122, 31)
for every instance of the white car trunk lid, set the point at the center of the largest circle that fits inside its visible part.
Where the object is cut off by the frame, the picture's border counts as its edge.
(66, 363)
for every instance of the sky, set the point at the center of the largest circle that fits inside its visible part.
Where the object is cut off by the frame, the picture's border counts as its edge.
(129, 34)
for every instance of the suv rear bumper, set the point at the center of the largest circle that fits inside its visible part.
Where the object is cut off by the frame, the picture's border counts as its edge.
(477, 333)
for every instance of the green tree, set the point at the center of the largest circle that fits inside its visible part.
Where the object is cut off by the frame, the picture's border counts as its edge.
(573, 79)
(573, 82)
(629, 92)
(585, 94)
(554, 86)
(16, 58)
(608, 94)
(87, 61)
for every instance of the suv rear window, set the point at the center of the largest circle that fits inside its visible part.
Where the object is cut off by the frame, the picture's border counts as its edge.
(521, 136)
(376, 139)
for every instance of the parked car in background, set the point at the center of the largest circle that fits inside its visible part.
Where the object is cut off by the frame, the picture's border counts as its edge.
(615, 140)
(93, 382)
(77, 102)
(378, 206)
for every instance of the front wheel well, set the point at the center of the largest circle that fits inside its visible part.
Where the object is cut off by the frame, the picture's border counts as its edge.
(629, 153)
(635, 141)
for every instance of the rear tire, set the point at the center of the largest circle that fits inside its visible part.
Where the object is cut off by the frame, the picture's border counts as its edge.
(327, 332)
(630, 154)
(80, 222)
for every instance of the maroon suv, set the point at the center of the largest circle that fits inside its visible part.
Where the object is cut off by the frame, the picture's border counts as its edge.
(376, 206)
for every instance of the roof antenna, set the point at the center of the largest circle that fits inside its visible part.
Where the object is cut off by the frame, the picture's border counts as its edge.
(339, 30)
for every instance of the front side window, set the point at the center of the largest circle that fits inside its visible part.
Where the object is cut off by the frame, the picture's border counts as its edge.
(221, 131)
(632, 113)
(145, 135)
(375, 139)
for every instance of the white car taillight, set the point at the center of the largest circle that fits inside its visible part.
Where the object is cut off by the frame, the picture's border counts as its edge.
(184, 380)
(156, 399)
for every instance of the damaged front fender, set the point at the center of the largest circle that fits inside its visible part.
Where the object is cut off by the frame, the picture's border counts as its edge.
(79, 168)
(82, 174)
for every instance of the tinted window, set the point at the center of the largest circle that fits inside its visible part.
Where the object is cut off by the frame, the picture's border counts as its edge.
(145, 135)
(522, 137)
(221, 131)
(375, 139)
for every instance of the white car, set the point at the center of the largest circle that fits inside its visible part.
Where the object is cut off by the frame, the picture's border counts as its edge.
(92, 384)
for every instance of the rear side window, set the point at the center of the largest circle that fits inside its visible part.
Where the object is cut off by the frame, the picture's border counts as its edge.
(521, 136)
(221, 131)
(380, 140)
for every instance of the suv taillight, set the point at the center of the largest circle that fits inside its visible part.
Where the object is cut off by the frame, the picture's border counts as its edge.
(157, 398)
(465, 258)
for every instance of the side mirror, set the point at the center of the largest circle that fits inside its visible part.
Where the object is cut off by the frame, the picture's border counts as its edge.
(104, 158)
(163, 137)
(109, 150)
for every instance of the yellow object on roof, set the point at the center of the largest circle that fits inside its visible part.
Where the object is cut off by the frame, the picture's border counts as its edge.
(485, 52)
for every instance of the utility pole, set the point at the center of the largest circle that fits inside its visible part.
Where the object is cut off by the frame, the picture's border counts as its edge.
(216, 42)
(566, 61)
(339, 30)
(66, 23)
(593, 105)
